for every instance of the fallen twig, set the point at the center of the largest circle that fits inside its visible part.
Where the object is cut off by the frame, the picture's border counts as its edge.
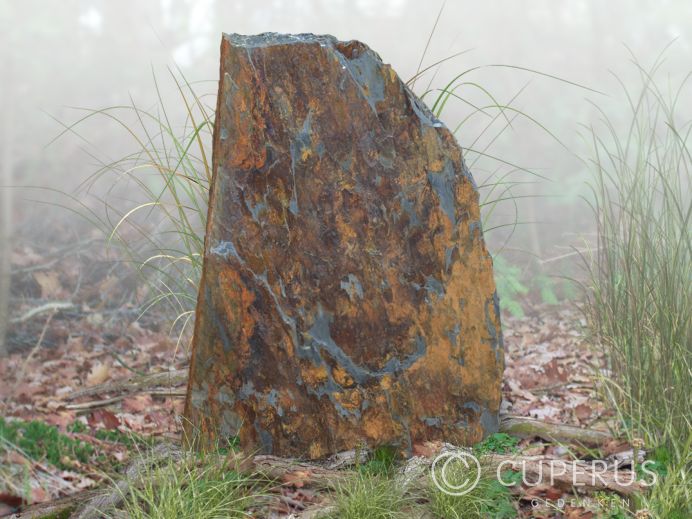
(139, 384)
(528, 427)
(562, 385)
(95, 404)
(47, 307)
(162, 391)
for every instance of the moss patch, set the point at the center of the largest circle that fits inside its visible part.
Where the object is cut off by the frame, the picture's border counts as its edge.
(42, 442)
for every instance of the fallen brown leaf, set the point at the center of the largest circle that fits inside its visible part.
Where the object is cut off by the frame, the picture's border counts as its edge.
(553, 493)
(578, 513)
(583, 412)
(49, 282)
(102, 416)
(98, 374)
(39, 495)
(137, 404)
(297, 478)
(61, 418)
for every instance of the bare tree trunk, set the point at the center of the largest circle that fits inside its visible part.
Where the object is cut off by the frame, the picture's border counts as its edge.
(5, 206)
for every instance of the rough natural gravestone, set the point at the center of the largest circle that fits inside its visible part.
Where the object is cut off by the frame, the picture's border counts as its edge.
(347, 295)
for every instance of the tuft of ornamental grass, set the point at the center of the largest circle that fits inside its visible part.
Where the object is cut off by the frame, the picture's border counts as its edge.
(164, 182)
(483, 120)
(671, 496)
(194, 486)
(640, 297)
(155, 208)
(489, 498)
(365, 495)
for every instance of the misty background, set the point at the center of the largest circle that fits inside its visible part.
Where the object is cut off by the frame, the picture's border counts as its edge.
(59, 58)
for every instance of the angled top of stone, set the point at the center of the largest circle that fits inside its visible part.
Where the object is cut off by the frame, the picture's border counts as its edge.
(267, 39)
(355, 56)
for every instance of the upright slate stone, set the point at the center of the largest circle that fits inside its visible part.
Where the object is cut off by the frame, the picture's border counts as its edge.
(347, 294)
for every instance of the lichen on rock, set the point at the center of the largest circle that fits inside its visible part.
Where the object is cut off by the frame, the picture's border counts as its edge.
(347, 294)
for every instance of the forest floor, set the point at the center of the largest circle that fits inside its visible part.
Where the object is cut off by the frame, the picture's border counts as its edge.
(97, 338)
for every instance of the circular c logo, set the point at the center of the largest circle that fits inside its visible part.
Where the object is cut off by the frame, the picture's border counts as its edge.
(470, 467)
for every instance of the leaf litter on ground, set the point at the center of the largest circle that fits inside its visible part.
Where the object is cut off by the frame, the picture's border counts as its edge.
(548, 376)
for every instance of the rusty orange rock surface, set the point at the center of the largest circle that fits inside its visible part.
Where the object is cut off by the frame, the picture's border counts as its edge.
(347, 295)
